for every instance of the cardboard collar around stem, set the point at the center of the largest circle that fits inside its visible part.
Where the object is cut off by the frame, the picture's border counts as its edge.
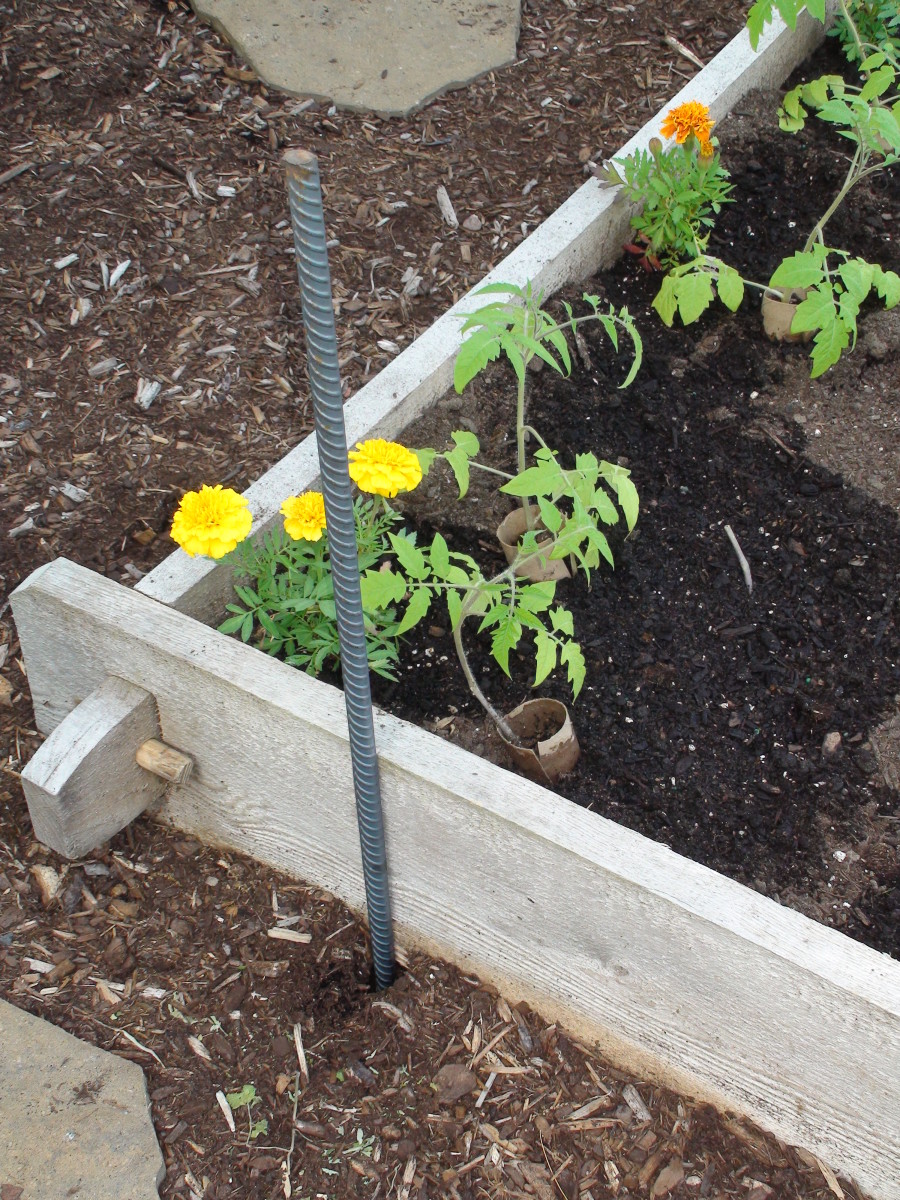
(536, 566)
(778, 310)
(546, 724)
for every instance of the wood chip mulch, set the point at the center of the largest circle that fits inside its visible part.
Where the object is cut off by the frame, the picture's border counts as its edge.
(221, 977)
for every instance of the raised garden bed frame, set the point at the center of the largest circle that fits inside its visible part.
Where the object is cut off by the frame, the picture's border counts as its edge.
(673, 970)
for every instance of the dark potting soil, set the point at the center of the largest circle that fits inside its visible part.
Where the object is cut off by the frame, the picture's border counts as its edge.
(708, 717)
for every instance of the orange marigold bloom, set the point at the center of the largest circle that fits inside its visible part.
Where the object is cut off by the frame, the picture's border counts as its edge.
(689, 118)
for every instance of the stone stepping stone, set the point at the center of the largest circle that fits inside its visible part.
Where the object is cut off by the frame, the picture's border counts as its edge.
(387, 56)
(74, 1120)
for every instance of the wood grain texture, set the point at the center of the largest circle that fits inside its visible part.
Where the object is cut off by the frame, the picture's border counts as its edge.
(581, 236)
(665, 964)
(83, 785)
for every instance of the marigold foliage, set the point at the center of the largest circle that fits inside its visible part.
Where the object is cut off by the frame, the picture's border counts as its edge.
(692, 117)
(384, 468)
(211, 522)
(304, 516)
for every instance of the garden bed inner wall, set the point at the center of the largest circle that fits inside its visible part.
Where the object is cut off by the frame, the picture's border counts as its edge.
(674, 970)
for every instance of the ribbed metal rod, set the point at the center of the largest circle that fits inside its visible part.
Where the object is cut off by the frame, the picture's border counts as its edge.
(308, 222)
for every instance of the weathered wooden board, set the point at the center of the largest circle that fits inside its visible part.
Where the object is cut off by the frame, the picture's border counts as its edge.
(84, 784)
(669, 967)
(583, 235)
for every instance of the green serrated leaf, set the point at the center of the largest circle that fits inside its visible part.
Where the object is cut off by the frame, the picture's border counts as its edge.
(533, 481)
(557, 339)
(506, 637)
(815, 312)
(482, 347)
(514, 355)
(550, 514)
(878, 83)
(666, 300)
(459, 577)
(695, 294)
(440, 557)
(797, 271)
(887, 285)
(828, 346)
(246, 1095)
(872, 61)
(410, 558)
(545, 657)
(419, 603)
(598, 540)
(730, 287)
(561, 620)
(458, 461)
(501, 289)
(537, 349)
(815, 8)
(610, 329)
(572, 658)
(454, 608)
(426, 457)
(536, 597)
(466, 441)
(381, 589)
(857, 276)
(886, 124)
(759, 14)
(638, 347)
(629, 500)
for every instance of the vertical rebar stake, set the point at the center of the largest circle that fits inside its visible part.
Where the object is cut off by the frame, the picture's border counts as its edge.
(308, 222)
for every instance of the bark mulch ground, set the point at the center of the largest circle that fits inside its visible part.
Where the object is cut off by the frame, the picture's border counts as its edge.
(152, 341)
(219, 976)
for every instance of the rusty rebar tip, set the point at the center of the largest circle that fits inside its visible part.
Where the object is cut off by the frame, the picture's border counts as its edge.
(297, 159)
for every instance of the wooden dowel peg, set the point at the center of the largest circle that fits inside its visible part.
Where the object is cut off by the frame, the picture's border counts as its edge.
(162, 760)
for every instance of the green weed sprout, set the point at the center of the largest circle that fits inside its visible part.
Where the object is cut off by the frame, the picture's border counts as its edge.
(247, 1098)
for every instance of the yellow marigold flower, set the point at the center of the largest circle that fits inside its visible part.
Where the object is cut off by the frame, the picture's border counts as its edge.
(304, 516)
(707, 149)
(690, 118)
(384, 468)
(211, 522)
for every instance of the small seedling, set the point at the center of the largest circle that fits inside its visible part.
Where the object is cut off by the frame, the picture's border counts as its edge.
(247, 1098)
(363, 1145)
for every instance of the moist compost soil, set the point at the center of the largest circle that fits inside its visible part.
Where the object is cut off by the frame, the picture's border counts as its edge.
(736, 728)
